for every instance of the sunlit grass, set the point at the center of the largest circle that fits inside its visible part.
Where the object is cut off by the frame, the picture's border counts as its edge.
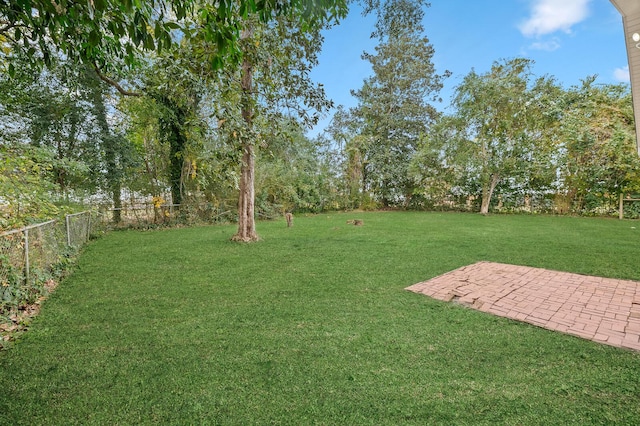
(312, 325)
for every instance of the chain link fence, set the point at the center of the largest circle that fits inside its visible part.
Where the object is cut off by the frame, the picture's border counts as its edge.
(31, 256)
(30, 253)
(12, 259)
(143, 215)
(78, 228)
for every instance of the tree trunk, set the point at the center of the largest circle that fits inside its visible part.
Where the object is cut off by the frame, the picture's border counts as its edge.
(177, 142)
(112, 148)
(487, 193)
(246, 201)
(172, 124)
(116, 196)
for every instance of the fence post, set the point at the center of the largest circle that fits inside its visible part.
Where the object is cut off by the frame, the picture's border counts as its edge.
(621, 210)
(88, 226)
(26, 255)
(66, 220)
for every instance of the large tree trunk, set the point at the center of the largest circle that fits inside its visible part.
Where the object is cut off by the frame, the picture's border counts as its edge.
(177, 142)
(246, 202)
(112, 151)
(487, 193)
(116, 196)
(172, 123)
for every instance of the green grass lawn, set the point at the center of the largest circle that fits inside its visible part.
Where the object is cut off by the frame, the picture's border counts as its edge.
(312, 325)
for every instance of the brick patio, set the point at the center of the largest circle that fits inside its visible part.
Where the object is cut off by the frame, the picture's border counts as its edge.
(604, 310)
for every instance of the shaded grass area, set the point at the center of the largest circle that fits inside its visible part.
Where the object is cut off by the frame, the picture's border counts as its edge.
(312, 326)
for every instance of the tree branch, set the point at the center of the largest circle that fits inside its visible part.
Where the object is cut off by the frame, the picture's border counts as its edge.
(8, 26)
(114, 83)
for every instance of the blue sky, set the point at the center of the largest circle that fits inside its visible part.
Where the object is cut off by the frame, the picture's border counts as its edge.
(567, 39)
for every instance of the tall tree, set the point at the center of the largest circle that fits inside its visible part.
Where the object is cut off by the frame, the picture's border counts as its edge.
(178, 93)
(343, 134)
(395, 104)
(503, 114)
(25, 185)
(246, 201)
(599, 145)
(117, 152)
(63, 109)
(271, 82)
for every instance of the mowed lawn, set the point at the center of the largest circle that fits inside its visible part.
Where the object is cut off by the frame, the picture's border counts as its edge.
(312, 325)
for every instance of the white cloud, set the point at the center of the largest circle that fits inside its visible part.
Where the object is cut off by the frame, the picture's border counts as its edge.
(549, 16)
(622, 74)
(548, 46)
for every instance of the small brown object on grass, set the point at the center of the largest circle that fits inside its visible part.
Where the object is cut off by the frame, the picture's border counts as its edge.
(289, 218)
(356, 222)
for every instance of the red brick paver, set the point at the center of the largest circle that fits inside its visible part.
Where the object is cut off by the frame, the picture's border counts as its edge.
(601, 309)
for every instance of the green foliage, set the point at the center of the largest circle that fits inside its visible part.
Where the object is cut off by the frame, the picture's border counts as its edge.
(221, 23)
(438, 166)
(172, 125)
(141, 128)
(503, 114)
(632, 210)
(292, 175)
(26, 195)
(17, 294)
(394, 107)
(91, 32)
(501, 137)
(106, 33)
(166, 127)
(343, 152)
(63, 111)
(12, 291)
(55, 109)
(317, 327)
(20, 296)
(598, 133)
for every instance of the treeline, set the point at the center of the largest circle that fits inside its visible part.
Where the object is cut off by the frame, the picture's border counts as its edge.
(515, 142)
(68, 139)
(201, 113)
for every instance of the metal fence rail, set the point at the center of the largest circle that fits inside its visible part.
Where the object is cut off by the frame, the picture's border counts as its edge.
(39, 247)
(78, 227)
(147, 214)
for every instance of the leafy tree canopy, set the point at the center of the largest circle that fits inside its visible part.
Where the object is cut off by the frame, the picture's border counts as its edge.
(105, 32)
